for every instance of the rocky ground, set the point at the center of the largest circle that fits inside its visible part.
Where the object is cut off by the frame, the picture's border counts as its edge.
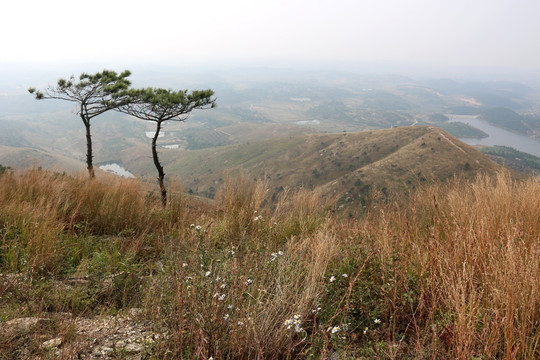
(122, 336)
(63, 335)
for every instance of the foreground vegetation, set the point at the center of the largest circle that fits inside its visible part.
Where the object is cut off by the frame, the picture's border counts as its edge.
(449, 272)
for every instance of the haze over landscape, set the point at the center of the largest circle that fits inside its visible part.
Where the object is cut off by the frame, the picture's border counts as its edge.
(278, 69)
(486, 36)
(367, 186)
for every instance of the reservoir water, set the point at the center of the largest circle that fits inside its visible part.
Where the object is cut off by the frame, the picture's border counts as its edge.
(499, 136)
(117, 170)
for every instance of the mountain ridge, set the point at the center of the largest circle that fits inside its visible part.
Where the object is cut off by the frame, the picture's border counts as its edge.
(346, 163)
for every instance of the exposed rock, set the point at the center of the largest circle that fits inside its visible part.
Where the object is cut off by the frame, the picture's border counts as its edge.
(126, 334)
(53, 343)
(133, 348)
(102, 351)
(25, 324)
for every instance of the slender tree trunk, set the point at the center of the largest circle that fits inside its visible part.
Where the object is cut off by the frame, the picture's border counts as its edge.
(89, 156)
(161, 174)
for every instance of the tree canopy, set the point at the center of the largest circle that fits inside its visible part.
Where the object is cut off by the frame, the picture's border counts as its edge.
(160, 105)
(94, 93)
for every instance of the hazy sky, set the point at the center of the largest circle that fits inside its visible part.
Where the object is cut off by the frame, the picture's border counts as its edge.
(464, 33)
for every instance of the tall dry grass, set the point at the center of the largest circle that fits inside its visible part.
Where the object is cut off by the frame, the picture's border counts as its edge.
(43, 213)
(476, 248)
(101, 207)
(448, 272)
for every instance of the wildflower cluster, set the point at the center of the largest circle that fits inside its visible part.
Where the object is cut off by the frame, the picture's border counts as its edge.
(334, 329)
(333, 278)
(196, 227)
(220, 297)
(294, 322)
(276, 255)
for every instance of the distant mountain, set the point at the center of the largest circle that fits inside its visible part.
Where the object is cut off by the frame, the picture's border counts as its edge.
(346, 165)
(27, 157)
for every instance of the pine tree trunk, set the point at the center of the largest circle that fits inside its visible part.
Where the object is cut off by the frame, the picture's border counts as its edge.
(161, 173)
(89, 156)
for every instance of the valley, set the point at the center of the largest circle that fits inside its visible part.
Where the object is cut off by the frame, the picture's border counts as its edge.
(307, 129)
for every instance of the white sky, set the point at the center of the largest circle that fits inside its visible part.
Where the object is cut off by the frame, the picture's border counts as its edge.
(470, 33)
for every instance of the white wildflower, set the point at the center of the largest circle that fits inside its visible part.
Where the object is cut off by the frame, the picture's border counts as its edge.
(377, 321)
(184, 265)
(275, 255)
(335, 329)
(296, 322)
(249, 281)
(226, 317)
(366, 330)
(288, 323)
(222, 297)
(207, 274)
(345, 275)
(332, 278)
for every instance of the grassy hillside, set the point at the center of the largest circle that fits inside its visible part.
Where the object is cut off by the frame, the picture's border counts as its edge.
(26, 157)
(94, 269)
(462, 130)
(513, 159)
(347, 165)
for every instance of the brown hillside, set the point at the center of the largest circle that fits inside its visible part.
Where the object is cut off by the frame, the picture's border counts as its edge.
(347, 165)
(25, 157)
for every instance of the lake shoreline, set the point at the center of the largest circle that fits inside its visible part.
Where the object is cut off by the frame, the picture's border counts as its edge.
(497, 136)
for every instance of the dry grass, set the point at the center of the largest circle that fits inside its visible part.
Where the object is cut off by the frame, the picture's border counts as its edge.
(477, 248)
(449, 272)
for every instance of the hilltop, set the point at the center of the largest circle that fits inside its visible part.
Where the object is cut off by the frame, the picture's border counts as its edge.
(347, 164)
(344, 166)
